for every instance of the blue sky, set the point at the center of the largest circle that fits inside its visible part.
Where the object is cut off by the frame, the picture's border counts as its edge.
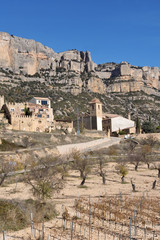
(112, 30)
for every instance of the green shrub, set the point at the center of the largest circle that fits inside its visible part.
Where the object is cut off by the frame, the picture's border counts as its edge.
(121, 132)
(148, 127)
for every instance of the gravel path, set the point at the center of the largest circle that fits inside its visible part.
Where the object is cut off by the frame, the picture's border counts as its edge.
(92, 145)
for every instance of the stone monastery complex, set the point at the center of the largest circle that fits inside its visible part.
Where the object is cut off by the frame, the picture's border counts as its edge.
(37, 116)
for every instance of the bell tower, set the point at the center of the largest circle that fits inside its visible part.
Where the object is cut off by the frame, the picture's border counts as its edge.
(96, 114)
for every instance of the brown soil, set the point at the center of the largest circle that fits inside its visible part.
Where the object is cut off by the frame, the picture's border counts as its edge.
(98, 193)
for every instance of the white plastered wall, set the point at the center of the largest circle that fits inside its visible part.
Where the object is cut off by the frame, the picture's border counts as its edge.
(120, 123)
(99, 123)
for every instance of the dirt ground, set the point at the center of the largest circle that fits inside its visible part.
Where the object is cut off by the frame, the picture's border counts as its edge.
(93, 190)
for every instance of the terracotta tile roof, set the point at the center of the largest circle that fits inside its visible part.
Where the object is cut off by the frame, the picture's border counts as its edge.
(110, 115)
(95, 100)
(33, 105)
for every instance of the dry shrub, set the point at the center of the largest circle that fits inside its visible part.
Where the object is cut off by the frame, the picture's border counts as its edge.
(112, 150)
(12, 217)
(16, 215)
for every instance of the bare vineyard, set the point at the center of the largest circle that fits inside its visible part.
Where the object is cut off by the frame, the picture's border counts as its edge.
(119, 217)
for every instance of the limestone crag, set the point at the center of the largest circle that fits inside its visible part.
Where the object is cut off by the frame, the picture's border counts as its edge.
(125, 77)
(70, 71)
(28, 56)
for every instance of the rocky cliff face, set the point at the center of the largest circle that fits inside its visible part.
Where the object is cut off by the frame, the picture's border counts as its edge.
(124, 77)
(28, 56)
(71, 71)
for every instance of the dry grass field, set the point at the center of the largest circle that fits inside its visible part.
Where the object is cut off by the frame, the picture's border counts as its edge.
(93, 211)
(106, 208)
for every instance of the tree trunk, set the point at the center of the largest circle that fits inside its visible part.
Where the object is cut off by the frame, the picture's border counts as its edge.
(159, 173)
(122, 179)
(136, 167)
(81, 174)
(3, 178)
(154, 184)
(103, 177)
(148, 164)
(133, 187)
(83, 181)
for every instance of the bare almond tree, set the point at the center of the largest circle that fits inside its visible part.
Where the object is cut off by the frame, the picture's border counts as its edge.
(148, 148)
(157, 166)
(81, 162)
(102, 171)
(135, 158)
(151, 141)
(64, 166)
(7, 168)
(43, 176)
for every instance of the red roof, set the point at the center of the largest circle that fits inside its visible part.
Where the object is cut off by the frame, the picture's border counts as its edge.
(109, 115)
(95, 100)
(33, 105)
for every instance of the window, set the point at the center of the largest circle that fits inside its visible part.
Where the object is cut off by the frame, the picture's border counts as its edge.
(12, 109)
(44, 102)
(39, 115)
(47, 116)
(22, 109)
(99, 107)
(92, 107)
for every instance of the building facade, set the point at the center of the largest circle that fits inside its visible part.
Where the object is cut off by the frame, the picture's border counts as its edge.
(35, 115)
(110, 123)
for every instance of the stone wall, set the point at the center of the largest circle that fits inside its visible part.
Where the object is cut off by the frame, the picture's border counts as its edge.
(27, 123)
(63, 125)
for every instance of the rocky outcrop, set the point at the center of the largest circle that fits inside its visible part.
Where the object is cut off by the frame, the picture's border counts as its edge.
(124, 77)
(70, 71)
(28, 56)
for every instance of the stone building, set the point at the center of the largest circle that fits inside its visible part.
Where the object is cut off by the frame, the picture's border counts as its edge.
(41, 101)
(110, 123)
(114, 123)
(35, 115)
(93, 120)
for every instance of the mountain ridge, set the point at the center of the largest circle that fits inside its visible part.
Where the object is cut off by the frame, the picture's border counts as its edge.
(28, 57)
(29, 68)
